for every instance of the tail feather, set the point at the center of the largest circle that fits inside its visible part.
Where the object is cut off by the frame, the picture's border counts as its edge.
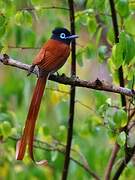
(28, 133)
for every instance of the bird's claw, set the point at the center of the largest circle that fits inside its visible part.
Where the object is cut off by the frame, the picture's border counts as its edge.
(31, 69)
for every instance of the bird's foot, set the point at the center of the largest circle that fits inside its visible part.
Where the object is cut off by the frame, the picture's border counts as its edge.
(31, 69)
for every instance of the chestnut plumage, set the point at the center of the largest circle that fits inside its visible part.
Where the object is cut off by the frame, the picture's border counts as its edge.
(50, 58)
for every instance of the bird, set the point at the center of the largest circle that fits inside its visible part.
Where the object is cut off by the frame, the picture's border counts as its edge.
(51, 57)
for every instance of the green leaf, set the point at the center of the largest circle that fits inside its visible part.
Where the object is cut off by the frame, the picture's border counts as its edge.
(27, 18)
(46, 130)
(129, 49)
(109, 101)
(92, 25)
(2, 31)
(6, 129)
(18, 35)
(124, 51)
(110, 36)
(117, 55)
(128, 46)
(112, 124)
(122, 8)
(90, 51)
(98, 35)
(2, 20)
(111, 133)
(23, 18)
(128, 24)
(121, 138)
(102, 50)
(54, 155)
(80, 58)
(19, 18)
(120, 118)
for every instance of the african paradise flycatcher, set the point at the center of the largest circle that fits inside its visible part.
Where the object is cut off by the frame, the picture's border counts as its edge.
(50, 58)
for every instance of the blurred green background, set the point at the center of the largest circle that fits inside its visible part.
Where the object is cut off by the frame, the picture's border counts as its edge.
(24, 27)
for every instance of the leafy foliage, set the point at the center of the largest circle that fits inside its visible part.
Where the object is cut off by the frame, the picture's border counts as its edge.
(99, 118)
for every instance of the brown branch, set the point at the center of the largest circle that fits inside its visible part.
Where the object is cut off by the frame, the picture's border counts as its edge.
(97, 85)
(53, 147)
(123, 98)
(116, 35)
(72, 94)
(111, 161)
(124, 163)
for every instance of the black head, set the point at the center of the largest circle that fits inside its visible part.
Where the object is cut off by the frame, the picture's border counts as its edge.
(62, 34)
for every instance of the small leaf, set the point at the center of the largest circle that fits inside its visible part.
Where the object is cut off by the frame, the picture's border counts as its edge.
(2, 20)
(92, 25)
(98, 35)
(80, 58)
(54, 155)
(120, 118)
(110, 36)
(27, 18)
(2, 31)
(23, 18)
(130, 49)
(117, 55)
(19, 18)
(109, 101)
(46, 130)
(90, 51)
(112, 124)
(102, 50)
(6, 128)
(121, 138)
(122, 8)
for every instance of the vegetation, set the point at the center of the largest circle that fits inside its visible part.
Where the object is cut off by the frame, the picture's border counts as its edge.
(103, 133)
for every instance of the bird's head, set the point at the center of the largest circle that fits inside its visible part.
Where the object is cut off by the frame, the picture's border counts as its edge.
(63, 35)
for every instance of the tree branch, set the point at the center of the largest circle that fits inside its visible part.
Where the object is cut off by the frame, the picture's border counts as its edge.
(124, 163)
(43, 7)
(122, 84)
(97, 85)
(111, 161)
(72, 94)
(116, 35)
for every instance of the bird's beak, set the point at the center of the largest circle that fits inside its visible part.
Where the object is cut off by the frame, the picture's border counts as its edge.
(72, 37)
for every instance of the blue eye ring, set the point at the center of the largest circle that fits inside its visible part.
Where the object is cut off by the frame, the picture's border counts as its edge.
(62, 36)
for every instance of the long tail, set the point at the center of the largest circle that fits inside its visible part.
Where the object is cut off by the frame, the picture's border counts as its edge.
(28, 133)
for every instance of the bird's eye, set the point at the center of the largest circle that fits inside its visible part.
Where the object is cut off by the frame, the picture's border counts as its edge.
(62, 36)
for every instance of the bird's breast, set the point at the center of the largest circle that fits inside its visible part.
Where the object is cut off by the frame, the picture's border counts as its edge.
(52, 56)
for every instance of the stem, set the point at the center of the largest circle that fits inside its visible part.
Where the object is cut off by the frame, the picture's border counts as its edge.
(122, 84)
(72, 95)
(116, 33)
(124, 163)
(111, 161)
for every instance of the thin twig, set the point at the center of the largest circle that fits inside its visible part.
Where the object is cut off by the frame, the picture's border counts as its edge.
(111, 161)
(43, 7)
(116, 35)
(97, 84)
(51, 147)
(85, 105)
(121, 82)
(124, 163)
